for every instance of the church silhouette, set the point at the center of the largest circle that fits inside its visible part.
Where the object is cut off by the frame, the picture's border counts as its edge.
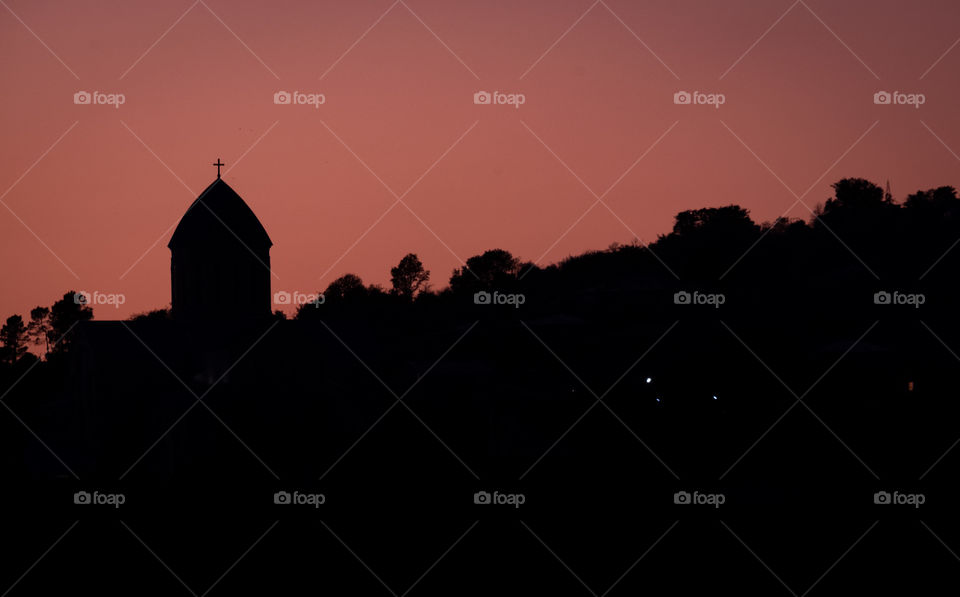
(130, 379)
(220, 260)
(277, 391)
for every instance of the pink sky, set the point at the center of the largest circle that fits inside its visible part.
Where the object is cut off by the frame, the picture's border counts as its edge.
(95, 213)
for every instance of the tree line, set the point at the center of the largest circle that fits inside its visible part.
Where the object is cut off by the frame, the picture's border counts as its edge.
(860, 222)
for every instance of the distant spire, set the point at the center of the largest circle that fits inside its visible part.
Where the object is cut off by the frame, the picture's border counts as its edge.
(218, 164)
(888, 196)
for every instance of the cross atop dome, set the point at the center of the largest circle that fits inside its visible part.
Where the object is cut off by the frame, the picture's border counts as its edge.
(218, 164)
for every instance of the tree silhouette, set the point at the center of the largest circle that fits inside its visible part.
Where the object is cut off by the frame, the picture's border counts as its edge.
(13, 337)
(864, 217)
(728, 221)
(704, 242)
(39, 327)
(64, 314)
(856, 194)
(493, 269)
(346, 288)
(937, 202)
(408, 277)
(154, 315)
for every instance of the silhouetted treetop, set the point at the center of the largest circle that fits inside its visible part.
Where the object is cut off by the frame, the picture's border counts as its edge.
(348, 287)
(494, 268)
(13, 339)
(939, 201)
(409, 277)
(39, 327)
(856, 194)
(731, 221)
(154, 315)
(64, 314)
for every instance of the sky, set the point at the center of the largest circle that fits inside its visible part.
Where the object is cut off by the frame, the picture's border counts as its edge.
(400, 158)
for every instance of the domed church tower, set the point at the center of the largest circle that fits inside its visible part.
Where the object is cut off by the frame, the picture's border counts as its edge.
(220, 260)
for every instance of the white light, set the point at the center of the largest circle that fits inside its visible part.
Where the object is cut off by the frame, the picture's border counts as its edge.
(649, 379)
(658, 400)
(714, 397)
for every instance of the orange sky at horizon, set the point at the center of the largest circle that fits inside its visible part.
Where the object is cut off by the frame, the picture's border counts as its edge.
(91, 193)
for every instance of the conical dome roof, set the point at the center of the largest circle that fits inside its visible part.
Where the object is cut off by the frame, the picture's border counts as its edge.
(217, 213)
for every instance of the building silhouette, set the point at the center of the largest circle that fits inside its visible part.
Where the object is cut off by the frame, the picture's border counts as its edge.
(129, 379)
(220, 260)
